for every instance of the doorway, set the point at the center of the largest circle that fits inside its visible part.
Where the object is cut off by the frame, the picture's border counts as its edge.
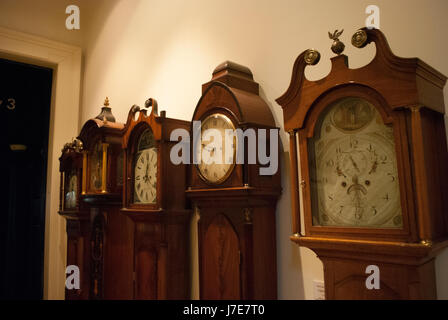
(25, 95)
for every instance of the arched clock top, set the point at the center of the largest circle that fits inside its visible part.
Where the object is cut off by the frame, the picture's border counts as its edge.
(401, 81)
(232, 88)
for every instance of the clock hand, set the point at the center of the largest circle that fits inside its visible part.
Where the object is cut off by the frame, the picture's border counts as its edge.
(147, 172)
(354, 163)
(339, 172)
(374, 166)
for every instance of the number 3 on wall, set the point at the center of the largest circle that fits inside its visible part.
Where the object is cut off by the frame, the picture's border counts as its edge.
(11, 105)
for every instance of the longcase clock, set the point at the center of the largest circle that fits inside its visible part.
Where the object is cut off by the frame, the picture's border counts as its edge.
(110, 245)
(154, 198)
(234, 201)
(368, 154)
(75, 213)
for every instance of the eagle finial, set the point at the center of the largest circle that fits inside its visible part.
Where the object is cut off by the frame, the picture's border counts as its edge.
(338, 46)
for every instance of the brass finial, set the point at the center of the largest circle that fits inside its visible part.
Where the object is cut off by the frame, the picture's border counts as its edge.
(312, 57)
(359, 38)
(106, 112)
(338, 46)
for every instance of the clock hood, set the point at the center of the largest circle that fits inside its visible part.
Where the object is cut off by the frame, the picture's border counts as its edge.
(232, 87)
(402, 81)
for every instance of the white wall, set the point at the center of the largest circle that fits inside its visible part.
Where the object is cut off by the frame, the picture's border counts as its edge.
(40, 17)
(135, 49)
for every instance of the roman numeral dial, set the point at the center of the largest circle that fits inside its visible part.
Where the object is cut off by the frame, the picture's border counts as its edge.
(145, 177)
(145, 170)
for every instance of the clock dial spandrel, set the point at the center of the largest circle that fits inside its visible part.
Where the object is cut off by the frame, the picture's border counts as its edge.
(354, 176)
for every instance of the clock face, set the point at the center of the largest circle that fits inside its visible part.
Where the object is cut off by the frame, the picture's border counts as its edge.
(96, 166)
(145, 170)
(353, 168)
(71, 191)
(217, 158)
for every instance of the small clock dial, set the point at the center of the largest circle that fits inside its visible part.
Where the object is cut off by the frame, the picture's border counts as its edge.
(354, 173)
(96, 166)
(215, 163)
(71, 191)
(145, 170)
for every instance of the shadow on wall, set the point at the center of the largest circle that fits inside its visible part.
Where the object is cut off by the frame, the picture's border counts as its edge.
(291, 269)
(290, 272)
(442, 275)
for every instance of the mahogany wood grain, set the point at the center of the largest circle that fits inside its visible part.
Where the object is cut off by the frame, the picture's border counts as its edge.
(220, 272)
(161, 231)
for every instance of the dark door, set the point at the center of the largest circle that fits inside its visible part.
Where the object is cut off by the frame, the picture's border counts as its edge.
(25, 94)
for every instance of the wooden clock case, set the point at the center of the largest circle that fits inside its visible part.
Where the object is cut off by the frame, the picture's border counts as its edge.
(236, 229)
(161, 230)
(77, 218)
(409, 96)
(109, 251)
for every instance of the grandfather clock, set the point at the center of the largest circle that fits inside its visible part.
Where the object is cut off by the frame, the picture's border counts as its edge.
(110, 244)
(75, 213)
(235, 201)
(368, 154)
(154, 198)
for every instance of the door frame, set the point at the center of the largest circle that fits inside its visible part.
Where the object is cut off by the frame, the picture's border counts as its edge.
(65, 60)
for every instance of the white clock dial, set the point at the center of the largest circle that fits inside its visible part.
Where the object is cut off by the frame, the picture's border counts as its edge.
(145, 177)
(215, 163)
(354, 169)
